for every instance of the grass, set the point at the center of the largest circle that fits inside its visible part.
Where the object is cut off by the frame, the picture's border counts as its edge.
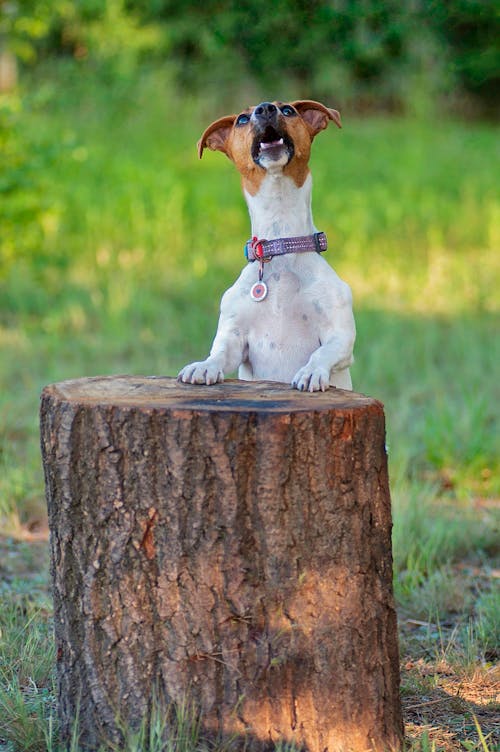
(118, 244)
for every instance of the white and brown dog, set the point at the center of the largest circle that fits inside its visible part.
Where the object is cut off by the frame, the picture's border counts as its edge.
(289, 320)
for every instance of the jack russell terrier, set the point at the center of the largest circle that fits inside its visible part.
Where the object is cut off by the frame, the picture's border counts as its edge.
(288, 317)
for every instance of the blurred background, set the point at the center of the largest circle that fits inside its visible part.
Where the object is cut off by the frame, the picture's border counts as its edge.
(367, 55)
(116, 244)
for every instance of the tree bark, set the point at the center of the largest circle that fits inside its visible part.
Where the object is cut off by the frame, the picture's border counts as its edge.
(228, 544)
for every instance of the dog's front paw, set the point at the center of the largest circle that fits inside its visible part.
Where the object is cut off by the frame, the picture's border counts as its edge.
(202, 372)
(311, 379)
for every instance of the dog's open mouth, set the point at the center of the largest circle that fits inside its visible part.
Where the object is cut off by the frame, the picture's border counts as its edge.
(270, 143)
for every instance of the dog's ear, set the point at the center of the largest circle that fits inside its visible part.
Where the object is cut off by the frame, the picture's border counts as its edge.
(316, 115)
(215, 136)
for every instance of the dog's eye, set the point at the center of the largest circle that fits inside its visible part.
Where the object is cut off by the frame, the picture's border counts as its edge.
(287, 110)
(242, 119)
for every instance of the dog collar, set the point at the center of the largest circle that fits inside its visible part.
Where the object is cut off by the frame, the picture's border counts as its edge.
(265, 250)
(258, 250)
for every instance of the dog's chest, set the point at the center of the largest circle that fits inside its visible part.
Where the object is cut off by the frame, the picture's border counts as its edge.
(284, 329)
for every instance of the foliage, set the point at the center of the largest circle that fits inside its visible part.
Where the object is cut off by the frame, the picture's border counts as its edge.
(383, 55)
(104, 31)
(25, 195)
(314, 43)
(470, 29)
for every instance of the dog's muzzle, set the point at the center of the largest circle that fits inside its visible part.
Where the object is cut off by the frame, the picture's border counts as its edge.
(271, 139)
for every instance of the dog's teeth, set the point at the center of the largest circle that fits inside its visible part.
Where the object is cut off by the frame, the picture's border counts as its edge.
(269, 144)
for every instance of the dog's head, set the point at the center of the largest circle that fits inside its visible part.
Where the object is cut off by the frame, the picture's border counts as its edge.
(270, 136)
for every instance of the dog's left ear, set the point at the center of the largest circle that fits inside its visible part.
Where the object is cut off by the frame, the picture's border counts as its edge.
(316, 115)
(216, 135)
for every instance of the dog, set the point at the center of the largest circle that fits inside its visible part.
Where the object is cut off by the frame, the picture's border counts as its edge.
(288, 317)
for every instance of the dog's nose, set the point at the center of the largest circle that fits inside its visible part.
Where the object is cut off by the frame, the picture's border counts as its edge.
(265, 111)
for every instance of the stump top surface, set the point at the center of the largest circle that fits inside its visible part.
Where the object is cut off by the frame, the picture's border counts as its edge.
(163, 392)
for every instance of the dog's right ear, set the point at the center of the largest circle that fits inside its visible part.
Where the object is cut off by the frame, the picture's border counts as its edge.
(216, 135)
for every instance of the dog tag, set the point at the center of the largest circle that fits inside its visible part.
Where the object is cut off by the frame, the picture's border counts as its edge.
(258, 291)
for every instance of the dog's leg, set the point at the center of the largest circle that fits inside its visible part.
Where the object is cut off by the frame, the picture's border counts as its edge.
(202, 372)
(225, 356)
(334, 356)
(228, 350)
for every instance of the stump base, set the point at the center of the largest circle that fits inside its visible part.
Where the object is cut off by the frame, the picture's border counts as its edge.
(230, 544)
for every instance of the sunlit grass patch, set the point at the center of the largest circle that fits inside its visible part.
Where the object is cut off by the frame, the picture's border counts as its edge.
(430, 534)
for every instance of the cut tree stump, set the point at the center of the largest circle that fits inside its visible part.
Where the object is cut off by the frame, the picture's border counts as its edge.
(229, 546)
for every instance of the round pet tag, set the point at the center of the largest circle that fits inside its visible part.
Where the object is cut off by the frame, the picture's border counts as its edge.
(258, 291)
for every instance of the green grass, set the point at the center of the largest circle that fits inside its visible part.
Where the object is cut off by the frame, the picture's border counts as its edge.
(118, 244)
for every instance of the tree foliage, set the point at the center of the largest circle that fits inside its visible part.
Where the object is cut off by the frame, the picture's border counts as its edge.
(374, 49)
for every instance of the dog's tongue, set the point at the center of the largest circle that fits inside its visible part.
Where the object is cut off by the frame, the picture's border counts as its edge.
(270, 144)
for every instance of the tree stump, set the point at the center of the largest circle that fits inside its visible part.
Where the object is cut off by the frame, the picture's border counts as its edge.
(229, 545)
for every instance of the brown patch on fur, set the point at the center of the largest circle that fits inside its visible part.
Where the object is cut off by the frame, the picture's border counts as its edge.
(236, 141)
(239, 146)
(297, 168)
(239, 151)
